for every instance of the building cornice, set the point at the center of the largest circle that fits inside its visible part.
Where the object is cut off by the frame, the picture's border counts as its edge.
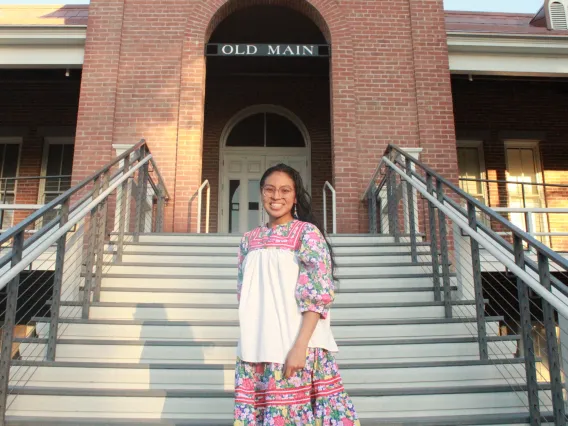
(508, 43)
(43, 35)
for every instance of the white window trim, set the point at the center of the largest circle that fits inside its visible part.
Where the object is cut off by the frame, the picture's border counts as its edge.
(467, 143)
(50, 140)
(533, 144)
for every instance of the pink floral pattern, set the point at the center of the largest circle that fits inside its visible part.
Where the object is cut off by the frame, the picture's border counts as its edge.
(315, 289)
(313, 396)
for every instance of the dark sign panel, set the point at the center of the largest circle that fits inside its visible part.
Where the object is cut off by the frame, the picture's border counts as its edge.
(278, 50)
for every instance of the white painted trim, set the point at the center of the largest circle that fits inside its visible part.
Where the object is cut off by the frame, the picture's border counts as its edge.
(42, 46)
(507, 54)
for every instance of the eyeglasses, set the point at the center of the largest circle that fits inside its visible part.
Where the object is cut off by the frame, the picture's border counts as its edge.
(270, 191)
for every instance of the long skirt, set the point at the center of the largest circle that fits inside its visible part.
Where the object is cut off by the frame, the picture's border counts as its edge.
(313, 396)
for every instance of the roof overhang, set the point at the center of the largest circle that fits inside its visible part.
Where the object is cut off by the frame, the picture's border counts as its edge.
(42, 47)
(507, 54)
(469, 53)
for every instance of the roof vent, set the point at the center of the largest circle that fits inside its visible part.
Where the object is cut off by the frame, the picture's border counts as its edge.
(553, 15)
(557, 15)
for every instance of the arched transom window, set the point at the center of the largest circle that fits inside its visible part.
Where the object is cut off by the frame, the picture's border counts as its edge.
(266, 129)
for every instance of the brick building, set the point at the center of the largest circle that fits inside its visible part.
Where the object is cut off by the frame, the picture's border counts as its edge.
(475, 95)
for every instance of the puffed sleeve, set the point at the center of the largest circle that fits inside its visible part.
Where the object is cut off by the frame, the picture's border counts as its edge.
(243, 250)
(315, 288)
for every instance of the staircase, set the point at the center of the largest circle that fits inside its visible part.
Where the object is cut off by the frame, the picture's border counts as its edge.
(159, 346)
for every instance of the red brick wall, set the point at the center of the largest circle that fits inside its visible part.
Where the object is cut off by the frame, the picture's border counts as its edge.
(144, 76)
(494, 109)
(35, 104)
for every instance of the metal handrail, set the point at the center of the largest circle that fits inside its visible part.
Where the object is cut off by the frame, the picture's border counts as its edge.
(81, 214)
(512, 182)
(333, 207)
(15, 230)
(560, 260)
(483, 240)
(207, 208)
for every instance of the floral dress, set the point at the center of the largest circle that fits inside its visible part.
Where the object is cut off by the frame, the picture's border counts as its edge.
(283, 272)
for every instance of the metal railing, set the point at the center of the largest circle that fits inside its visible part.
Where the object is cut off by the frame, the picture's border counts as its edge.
(8, 189)
(204, 185)
(56, 273)
(512, 294)
(328, 185)
(529, 205)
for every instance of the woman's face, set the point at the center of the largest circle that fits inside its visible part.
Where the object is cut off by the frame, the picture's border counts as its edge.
(278, 197)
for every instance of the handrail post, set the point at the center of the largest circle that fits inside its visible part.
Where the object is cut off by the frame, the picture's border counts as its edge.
(141, 196)
(444, 252)
(392, 204)
(9, 324)
(478, 286)
(90, 261)
(411, 213)
(124, 204)
(372, 211)
(199, 206)
(433, 240)
(57, 284)
(557, 389)
(160, 209)
(526, 327)
(100, 239)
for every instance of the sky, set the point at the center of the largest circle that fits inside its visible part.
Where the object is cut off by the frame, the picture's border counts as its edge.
(523, 6)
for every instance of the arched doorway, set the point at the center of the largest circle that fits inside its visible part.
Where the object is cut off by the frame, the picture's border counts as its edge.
(262, 110)
(254, 140)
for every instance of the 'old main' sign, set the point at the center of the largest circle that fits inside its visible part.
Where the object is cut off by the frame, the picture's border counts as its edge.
(279, 50)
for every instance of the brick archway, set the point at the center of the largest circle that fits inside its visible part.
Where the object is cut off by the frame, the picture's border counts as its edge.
(330, 19)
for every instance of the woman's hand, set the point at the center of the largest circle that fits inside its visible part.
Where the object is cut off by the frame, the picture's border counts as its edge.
(295, 361)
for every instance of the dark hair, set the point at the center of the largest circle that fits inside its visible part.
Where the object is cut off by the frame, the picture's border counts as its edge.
(303, 205)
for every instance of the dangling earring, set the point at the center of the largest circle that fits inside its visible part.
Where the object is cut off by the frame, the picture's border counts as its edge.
(296, 211)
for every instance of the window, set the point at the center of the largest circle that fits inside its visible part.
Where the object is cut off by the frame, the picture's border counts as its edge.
(9, 160)
(57, 161)
(266, 129)
(472, 168)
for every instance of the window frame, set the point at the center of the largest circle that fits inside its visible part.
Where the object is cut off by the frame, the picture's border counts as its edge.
(12, 140)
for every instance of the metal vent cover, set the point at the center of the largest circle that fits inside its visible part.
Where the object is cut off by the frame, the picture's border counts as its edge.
(558, 15)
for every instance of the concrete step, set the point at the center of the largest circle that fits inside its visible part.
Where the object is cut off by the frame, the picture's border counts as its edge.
(221, 377)
(230, 312)
(174, 258)
(230, 269)
(227, 330)
(159, 295)
(400, 280)
(411, 350)
(206, 406)
(233, 239)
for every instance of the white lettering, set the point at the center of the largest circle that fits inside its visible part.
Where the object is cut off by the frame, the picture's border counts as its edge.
(273, 51)
(227, 49)
(288, 51)
(308, 50)
(240, 52)
(252, 49)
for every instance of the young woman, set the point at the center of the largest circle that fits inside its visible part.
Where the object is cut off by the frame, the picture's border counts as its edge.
(286, 374)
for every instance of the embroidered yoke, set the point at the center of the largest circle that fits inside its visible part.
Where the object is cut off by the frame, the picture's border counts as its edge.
(282, 272)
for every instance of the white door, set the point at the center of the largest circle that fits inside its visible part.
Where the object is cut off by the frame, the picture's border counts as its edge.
(241, 204)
